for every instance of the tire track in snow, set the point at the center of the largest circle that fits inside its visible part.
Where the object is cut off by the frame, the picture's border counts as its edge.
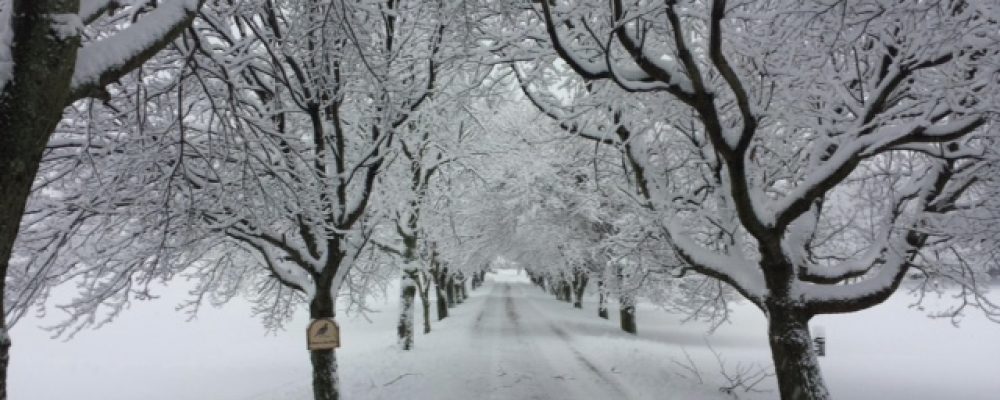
(587, 363)
(477, 325)
(507, 374)
(565, 339)
(511, 311)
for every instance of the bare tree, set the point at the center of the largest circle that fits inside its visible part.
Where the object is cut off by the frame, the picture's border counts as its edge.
(47, 64)
(796, 103)
(334, 85)
(286, 115)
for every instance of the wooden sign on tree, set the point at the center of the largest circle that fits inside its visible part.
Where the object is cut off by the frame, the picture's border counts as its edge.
(323, 334)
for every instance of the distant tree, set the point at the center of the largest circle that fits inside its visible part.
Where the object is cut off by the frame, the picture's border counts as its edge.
(438, 137)
(430, 157)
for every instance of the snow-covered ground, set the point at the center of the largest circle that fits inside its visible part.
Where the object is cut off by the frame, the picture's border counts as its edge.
(509, 341)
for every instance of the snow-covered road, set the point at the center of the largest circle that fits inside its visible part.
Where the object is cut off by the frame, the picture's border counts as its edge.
(533, 358)
(509, 340)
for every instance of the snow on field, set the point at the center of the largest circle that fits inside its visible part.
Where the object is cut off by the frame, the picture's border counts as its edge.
(508, 341)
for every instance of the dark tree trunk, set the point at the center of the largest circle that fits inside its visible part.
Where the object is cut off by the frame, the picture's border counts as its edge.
(425, 301)
(326, 385)
(442, 300)
(31, 105)
(464, 294)
(451, 291)
(4, 358)
(627, 314)
(795, 363)
(602, 300)
(566, 291)
(426, 304)
(404, 328)
(579, 286)
(438, 272)
(459, 288)
(626, 302)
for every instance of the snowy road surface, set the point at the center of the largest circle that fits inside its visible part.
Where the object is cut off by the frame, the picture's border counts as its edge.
(505, 343)
(532, 358)
(510, 340)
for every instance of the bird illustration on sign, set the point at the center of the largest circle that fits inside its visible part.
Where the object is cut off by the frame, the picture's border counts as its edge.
(323, 334)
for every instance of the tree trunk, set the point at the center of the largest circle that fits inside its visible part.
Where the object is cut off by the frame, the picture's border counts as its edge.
(626, 302)
(31, 104)
(427, 314)
(423, 284)
(579, 286)
(566, 291)
(450, 291)
(425, 303)
(4, 358)
(404, 329)
(442, 300)
(795, 363)
(326, 385)
(325, 382)
(459, 288)
(442, 297)
(627, 314)
(602, 300)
